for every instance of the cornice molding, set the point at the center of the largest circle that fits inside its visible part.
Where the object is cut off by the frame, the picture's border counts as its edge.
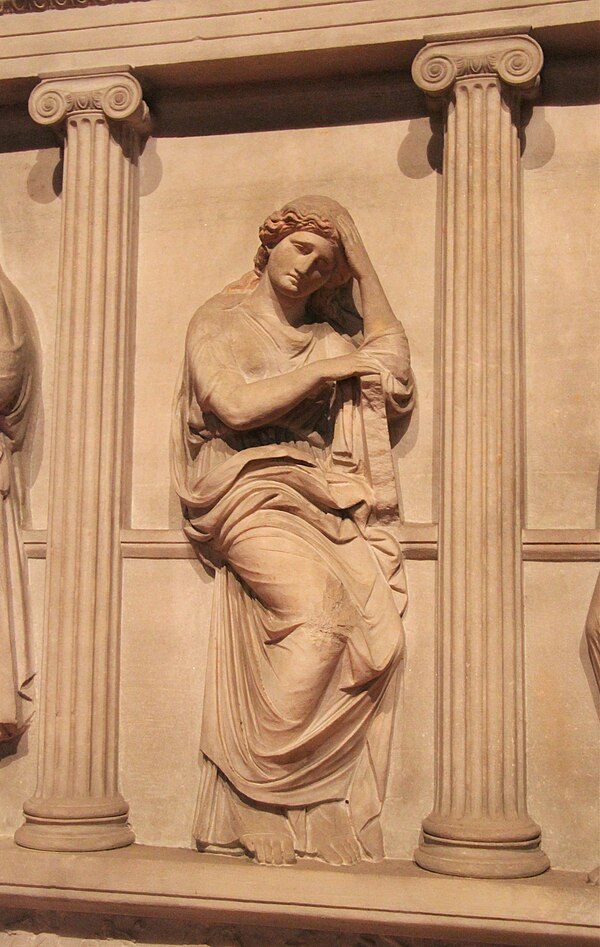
(40, 6)
(516, 60)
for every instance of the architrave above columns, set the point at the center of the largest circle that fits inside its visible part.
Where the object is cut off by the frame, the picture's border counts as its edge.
(191, 44)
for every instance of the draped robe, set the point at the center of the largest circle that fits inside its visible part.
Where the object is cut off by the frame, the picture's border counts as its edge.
(306, 633)
(16, 363)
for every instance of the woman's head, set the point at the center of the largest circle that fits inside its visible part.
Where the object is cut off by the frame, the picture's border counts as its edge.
(311, 215)
(314, 215)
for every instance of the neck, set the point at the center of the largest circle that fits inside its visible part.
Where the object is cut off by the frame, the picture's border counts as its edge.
(271, 303)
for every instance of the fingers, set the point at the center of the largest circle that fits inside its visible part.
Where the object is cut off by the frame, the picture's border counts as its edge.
(349, 232)
(367, 366)
(348, 366)
(354, 249)
(345, 221)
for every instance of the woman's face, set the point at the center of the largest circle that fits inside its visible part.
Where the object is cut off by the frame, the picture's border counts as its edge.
(300, 264)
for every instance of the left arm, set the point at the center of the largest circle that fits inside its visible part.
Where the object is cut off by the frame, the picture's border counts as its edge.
(377, 313)
(385, 338)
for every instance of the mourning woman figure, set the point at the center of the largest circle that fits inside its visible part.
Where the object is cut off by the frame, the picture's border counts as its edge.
(269, 461)
(16, 380)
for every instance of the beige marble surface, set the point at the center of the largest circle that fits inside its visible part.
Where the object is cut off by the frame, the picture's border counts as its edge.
(163, 661)
(563, 706)
(562, 328)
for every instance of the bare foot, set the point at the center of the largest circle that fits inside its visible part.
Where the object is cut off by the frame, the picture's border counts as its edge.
(270, 849)
(331, 835)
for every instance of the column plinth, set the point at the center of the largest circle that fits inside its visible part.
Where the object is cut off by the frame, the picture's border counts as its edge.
(77, 805)
(480, 826)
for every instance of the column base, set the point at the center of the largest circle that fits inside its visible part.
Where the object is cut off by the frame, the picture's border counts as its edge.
(482, 859)
(66, 835)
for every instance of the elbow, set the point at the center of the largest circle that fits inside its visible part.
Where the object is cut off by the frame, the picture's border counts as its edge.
(237, 422)
(234, 412)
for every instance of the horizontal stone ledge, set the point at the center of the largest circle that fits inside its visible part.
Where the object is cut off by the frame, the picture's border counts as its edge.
(419, 541)
(561, 545)
(180, 45)
(393, 897)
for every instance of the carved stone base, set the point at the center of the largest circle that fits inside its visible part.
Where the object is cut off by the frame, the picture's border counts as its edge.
(158, 896)
(482, 859)
(92, 835)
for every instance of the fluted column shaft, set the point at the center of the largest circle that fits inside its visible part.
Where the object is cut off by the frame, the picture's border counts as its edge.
(480, 825)
(77, 805)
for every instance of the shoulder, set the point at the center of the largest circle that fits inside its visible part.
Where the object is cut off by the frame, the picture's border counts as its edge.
(213, 320)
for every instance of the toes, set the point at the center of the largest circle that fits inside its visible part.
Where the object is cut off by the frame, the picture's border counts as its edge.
(342, 851)
(289, 855)
(260, 853)
(269, 852)
(248, 844)
(277, 851)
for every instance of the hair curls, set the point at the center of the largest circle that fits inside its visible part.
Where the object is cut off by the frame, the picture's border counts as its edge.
(284, 222)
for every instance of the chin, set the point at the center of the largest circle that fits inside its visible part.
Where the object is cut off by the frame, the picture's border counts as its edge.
(294, 292)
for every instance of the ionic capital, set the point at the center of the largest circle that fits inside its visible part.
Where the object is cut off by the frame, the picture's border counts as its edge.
(116, 95)
(515, 59)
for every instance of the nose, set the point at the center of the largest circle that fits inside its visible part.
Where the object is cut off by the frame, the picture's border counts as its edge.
(304, 263)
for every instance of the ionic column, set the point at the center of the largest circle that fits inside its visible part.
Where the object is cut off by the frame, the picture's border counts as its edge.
(77, 805)
(480, 825)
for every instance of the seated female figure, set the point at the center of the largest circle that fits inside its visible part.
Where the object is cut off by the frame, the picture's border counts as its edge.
(268, 460)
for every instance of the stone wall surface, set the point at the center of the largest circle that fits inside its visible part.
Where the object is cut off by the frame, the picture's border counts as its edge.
(562, 350)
